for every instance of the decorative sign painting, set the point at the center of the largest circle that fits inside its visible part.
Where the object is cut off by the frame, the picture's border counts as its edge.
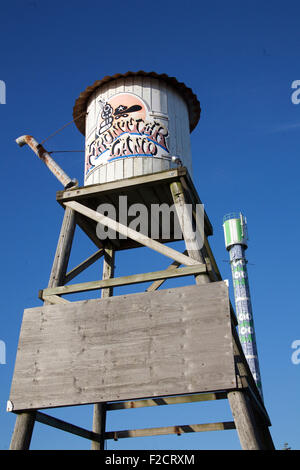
(124, 129)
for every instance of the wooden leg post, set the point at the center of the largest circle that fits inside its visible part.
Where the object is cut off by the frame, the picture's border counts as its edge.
(23, 431)
(63, 250)
(264, 432)
(245, 423)
(193, 246)
(250, 434)
(25, 421)
(99, 417)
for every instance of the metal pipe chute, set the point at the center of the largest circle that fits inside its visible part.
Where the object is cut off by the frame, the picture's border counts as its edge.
(40, 151)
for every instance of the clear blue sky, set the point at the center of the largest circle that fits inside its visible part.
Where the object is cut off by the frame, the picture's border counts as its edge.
(240, 58)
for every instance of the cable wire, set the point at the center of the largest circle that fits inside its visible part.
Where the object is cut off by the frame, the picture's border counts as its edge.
(63, 127)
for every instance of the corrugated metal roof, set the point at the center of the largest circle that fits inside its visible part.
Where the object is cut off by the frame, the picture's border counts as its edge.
(190, 98)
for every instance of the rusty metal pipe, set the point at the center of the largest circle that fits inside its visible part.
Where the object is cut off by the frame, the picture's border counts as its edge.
(39, 150)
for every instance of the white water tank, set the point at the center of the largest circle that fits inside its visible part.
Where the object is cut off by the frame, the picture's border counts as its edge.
(133, 123)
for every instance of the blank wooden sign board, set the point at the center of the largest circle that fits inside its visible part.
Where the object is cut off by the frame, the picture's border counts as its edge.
(168, 342)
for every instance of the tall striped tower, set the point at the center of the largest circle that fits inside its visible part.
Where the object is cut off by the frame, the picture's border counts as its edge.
(236, 241)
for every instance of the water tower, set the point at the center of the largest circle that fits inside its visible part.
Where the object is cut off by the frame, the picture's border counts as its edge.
(133, 124)
(236, 242)
(160, 347)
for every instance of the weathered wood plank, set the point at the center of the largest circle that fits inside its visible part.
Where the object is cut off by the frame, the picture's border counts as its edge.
(129, 405)
(179, 429)
(53, 299)
(167, 342)
(134, 184)
(124, 280)
(159, 431)
(135, 181)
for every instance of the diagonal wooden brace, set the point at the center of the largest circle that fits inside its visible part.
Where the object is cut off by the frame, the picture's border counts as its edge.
(133, 234)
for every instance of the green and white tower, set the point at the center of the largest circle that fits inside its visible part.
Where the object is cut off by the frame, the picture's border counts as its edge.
(236, 241)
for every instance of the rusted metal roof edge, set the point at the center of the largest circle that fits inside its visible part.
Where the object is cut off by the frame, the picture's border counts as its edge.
(190, 98)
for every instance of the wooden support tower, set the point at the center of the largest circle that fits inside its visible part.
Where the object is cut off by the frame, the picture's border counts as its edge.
(123, 352)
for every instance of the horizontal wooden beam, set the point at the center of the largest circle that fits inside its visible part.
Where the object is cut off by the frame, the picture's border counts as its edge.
(181, 429)
(127, 405)
(130, 233)
(92, 436)
(134, 182)
(124, 280)
(64, 426)
(84, 265)
(53, 299)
